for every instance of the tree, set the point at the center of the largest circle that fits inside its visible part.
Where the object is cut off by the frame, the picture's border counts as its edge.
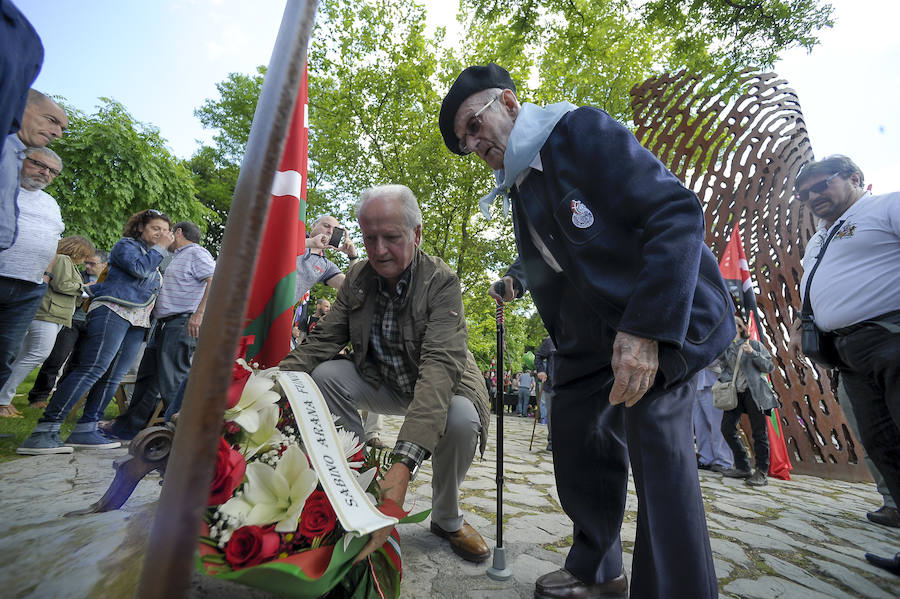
(114, 166)
(376, 81)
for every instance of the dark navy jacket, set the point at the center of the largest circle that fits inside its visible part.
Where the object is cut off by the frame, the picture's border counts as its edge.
(641, 267)
(133, 278)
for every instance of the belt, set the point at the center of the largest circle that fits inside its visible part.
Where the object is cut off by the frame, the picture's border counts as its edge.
(173, 316)
(889, 321)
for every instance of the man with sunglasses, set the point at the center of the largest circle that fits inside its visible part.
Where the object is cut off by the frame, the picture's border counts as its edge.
(611, 247)
(25, 266)
(854, 296)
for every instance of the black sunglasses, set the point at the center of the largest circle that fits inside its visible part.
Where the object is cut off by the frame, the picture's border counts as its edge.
(803, 196)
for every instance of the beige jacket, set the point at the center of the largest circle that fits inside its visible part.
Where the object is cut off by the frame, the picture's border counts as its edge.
(433, 328)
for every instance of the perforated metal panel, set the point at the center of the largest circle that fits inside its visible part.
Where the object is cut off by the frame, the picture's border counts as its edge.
(739, 144)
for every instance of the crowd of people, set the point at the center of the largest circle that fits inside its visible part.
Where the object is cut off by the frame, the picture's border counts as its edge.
(610, 246)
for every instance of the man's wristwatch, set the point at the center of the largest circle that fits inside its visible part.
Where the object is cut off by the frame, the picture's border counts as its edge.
(48, 275)
(352, 257)
(411, 465)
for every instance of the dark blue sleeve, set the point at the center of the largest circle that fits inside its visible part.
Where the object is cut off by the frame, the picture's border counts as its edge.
(624, 180)
(126, 255)
(21, 56)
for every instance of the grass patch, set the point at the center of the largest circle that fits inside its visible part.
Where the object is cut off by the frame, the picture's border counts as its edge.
(14, 430)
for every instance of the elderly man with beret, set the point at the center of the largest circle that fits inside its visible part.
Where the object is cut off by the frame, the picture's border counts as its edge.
(611, 248)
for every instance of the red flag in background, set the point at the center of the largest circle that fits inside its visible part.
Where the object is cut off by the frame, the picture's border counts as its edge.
(736, 272)
(270, 311)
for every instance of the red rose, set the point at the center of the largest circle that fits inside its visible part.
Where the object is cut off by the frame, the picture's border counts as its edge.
(318, 517)
(230, 468)
(251, 545)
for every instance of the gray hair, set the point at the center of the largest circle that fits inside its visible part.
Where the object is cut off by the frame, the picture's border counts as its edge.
(190, 231)
(46, 152)
(412, 215)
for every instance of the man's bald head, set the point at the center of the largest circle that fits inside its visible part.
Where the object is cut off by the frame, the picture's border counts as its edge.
(43, 121)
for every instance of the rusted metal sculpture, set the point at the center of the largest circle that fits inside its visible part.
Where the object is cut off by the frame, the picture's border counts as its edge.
(169, 558)
(739, 144)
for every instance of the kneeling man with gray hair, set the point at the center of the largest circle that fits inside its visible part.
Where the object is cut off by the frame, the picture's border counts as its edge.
(402, 312)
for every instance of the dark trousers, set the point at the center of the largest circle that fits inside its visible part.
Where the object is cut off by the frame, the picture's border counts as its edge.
(760, 431)
(871, 375)
(19, 302)
(593, 443)
(66, 342)
(166, 363)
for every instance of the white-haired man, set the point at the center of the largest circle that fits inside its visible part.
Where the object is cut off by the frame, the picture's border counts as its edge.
(402, 311)
(25, 265)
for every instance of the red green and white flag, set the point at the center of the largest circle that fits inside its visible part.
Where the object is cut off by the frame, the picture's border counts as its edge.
(271, 308)
(736, 272)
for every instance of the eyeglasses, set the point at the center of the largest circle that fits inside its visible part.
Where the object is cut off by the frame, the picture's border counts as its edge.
(473, 126)
(90, 263)
(41, 166)
(803, 196)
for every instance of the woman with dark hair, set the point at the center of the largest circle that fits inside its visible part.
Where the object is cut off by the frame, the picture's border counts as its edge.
(55, 312)
(755, 398)
(118, 318)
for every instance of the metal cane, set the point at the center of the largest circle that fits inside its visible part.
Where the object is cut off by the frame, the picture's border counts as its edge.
(498, 569)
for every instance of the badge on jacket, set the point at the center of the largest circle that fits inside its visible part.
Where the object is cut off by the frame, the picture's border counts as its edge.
(582, 217)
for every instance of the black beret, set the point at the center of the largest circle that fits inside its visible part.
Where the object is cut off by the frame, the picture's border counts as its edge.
(471, 80)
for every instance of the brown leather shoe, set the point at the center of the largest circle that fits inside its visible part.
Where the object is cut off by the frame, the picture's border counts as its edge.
(563, 585)
(886, 516)
(465, 542)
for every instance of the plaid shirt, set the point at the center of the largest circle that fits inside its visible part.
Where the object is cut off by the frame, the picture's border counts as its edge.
(387, 346)
(387, 352)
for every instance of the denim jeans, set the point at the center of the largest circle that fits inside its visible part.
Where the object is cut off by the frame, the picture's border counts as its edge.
(166, 363)
(524, 398)
(66, 342)
(19, 302)
(109, 348)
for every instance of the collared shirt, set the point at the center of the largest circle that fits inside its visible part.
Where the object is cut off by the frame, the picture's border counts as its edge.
(313, 268)
(184, 281)
(537, 165)
(40, 227)
(12, 154)
(385, 339)
(860, 270)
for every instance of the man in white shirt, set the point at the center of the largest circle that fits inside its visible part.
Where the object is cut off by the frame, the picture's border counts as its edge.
(25, 265)
(854, 296)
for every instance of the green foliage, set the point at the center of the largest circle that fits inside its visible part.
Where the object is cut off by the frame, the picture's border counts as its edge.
(376, 81)
(215, 184)
(114, 166)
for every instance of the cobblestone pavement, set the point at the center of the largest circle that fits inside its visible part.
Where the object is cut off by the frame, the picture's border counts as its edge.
(803, 538)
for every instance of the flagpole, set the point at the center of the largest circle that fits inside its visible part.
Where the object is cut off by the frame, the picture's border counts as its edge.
(169, 557)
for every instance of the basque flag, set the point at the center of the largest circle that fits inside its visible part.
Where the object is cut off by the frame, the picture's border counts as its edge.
(271, 308)
(736, 272)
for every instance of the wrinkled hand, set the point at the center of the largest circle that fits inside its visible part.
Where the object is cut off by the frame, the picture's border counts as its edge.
(317, 242)
(166, 238)
(748, 349)
(393, 487)
(634, 363)
(510, 293)
(542, 377)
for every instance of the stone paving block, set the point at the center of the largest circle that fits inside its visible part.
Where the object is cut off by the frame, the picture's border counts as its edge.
(526, 569)
(537, 528)
(796, 574)
(855, 581)
(793, 525)
(490, 505)
(870, 541)
(730, 551)
(770, 587)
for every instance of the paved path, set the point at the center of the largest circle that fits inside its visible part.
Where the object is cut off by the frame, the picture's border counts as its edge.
(801, 539)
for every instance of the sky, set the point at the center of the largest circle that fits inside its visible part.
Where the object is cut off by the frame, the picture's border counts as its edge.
(162, 59)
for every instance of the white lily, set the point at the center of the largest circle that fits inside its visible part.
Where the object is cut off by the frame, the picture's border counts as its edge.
(256, 397)
(274, 494)
(266, 435)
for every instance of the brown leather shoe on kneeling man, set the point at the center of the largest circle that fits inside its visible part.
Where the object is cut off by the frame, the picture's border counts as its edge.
(563, 585)
(465, 542)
